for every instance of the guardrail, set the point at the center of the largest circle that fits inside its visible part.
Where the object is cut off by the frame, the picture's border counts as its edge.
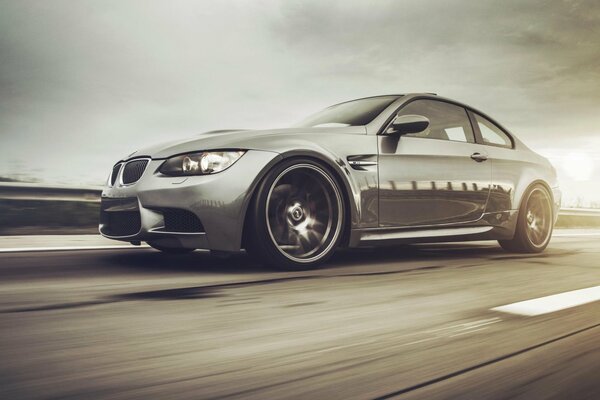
(580, 212)
(34, 191)
(29, 208)
(36, 209)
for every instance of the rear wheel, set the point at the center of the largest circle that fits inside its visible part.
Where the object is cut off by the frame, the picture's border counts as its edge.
(297, 216)
(170, 250)
(534, 223)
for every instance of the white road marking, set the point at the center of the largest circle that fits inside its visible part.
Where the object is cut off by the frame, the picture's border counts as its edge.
(69, 248)
(549, 304)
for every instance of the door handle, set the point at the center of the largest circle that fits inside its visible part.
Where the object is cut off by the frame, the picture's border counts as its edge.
(479, 157)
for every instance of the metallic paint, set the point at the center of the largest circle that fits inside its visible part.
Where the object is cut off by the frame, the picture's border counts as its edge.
(413, 183)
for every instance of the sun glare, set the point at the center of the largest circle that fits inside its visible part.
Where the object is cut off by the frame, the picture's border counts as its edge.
(578, 166)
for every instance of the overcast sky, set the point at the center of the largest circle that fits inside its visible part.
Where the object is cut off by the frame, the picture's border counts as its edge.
(83, 83)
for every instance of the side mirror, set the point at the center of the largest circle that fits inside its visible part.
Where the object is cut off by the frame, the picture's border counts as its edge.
(405, 124)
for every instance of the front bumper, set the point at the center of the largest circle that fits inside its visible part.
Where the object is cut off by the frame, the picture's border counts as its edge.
(210, 208)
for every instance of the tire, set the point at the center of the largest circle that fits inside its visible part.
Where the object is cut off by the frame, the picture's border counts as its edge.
(296, 219)
(534, 223)
(170, 250)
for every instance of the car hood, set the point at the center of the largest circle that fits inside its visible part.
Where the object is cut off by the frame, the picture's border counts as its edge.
(231, 139)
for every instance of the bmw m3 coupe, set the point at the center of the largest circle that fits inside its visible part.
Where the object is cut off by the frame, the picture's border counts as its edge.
(380, 170)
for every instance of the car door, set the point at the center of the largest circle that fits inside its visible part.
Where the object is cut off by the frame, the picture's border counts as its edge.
(435, 177)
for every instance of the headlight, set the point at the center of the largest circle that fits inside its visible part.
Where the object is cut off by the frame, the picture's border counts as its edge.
(204, 163)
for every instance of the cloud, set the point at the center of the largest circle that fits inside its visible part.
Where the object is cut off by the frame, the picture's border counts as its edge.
(535, 49)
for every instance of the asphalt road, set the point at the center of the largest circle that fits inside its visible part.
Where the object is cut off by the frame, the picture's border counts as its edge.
(410, 322)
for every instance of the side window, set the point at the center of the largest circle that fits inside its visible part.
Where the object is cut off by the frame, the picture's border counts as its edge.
(491, 134)
(447, 121)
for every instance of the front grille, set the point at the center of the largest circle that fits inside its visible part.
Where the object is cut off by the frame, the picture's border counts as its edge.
(177, 220)
(133, 171)
(115, 174)
(120, 217)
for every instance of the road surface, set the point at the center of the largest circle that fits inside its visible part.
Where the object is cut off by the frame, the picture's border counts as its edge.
(423, 321)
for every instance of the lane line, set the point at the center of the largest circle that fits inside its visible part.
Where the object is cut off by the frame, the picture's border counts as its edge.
(70, 248)
(549, 304)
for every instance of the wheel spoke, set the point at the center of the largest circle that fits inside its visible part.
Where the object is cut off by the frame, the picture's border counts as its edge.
(315, 237)
(304, 242)
(317, 225)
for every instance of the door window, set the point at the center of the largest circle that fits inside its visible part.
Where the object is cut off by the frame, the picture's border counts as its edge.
(446, 121)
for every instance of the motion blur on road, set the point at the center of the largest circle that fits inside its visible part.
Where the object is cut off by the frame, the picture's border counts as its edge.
(409, 322)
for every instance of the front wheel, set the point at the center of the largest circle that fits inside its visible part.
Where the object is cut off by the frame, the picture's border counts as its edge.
(534, 223)
(297, 216)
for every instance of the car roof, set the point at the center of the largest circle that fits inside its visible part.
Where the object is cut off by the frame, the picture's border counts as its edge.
(395, 95)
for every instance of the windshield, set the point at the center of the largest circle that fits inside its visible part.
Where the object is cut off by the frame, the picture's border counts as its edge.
(351, 113)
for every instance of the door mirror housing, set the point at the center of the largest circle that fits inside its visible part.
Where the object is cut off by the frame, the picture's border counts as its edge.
(405, 124)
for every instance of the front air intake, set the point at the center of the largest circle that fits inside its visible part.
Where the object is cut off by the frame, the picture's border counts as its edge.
(120, 216)
(177, 220)
(133, 171)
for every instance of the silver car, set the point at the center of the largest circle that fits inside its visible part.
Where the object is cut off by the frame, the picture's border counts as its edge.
(380, 170)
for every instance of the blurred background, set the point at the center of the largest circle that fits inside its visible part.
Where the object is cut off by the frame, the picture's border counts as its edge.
(84, 83)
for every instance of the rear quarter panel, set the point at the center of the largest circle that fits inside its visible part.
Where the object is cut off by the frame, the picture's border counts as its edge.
(513, 172)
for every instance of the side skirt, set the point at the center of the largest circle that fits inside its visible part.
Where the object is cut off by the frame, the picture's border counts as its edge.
(492, 226)
(393, 236)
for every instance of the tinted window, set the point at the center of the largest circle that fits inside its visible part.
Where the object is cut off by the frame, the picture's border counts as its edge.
(446, 121)
(351, 113)
(491, 134)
